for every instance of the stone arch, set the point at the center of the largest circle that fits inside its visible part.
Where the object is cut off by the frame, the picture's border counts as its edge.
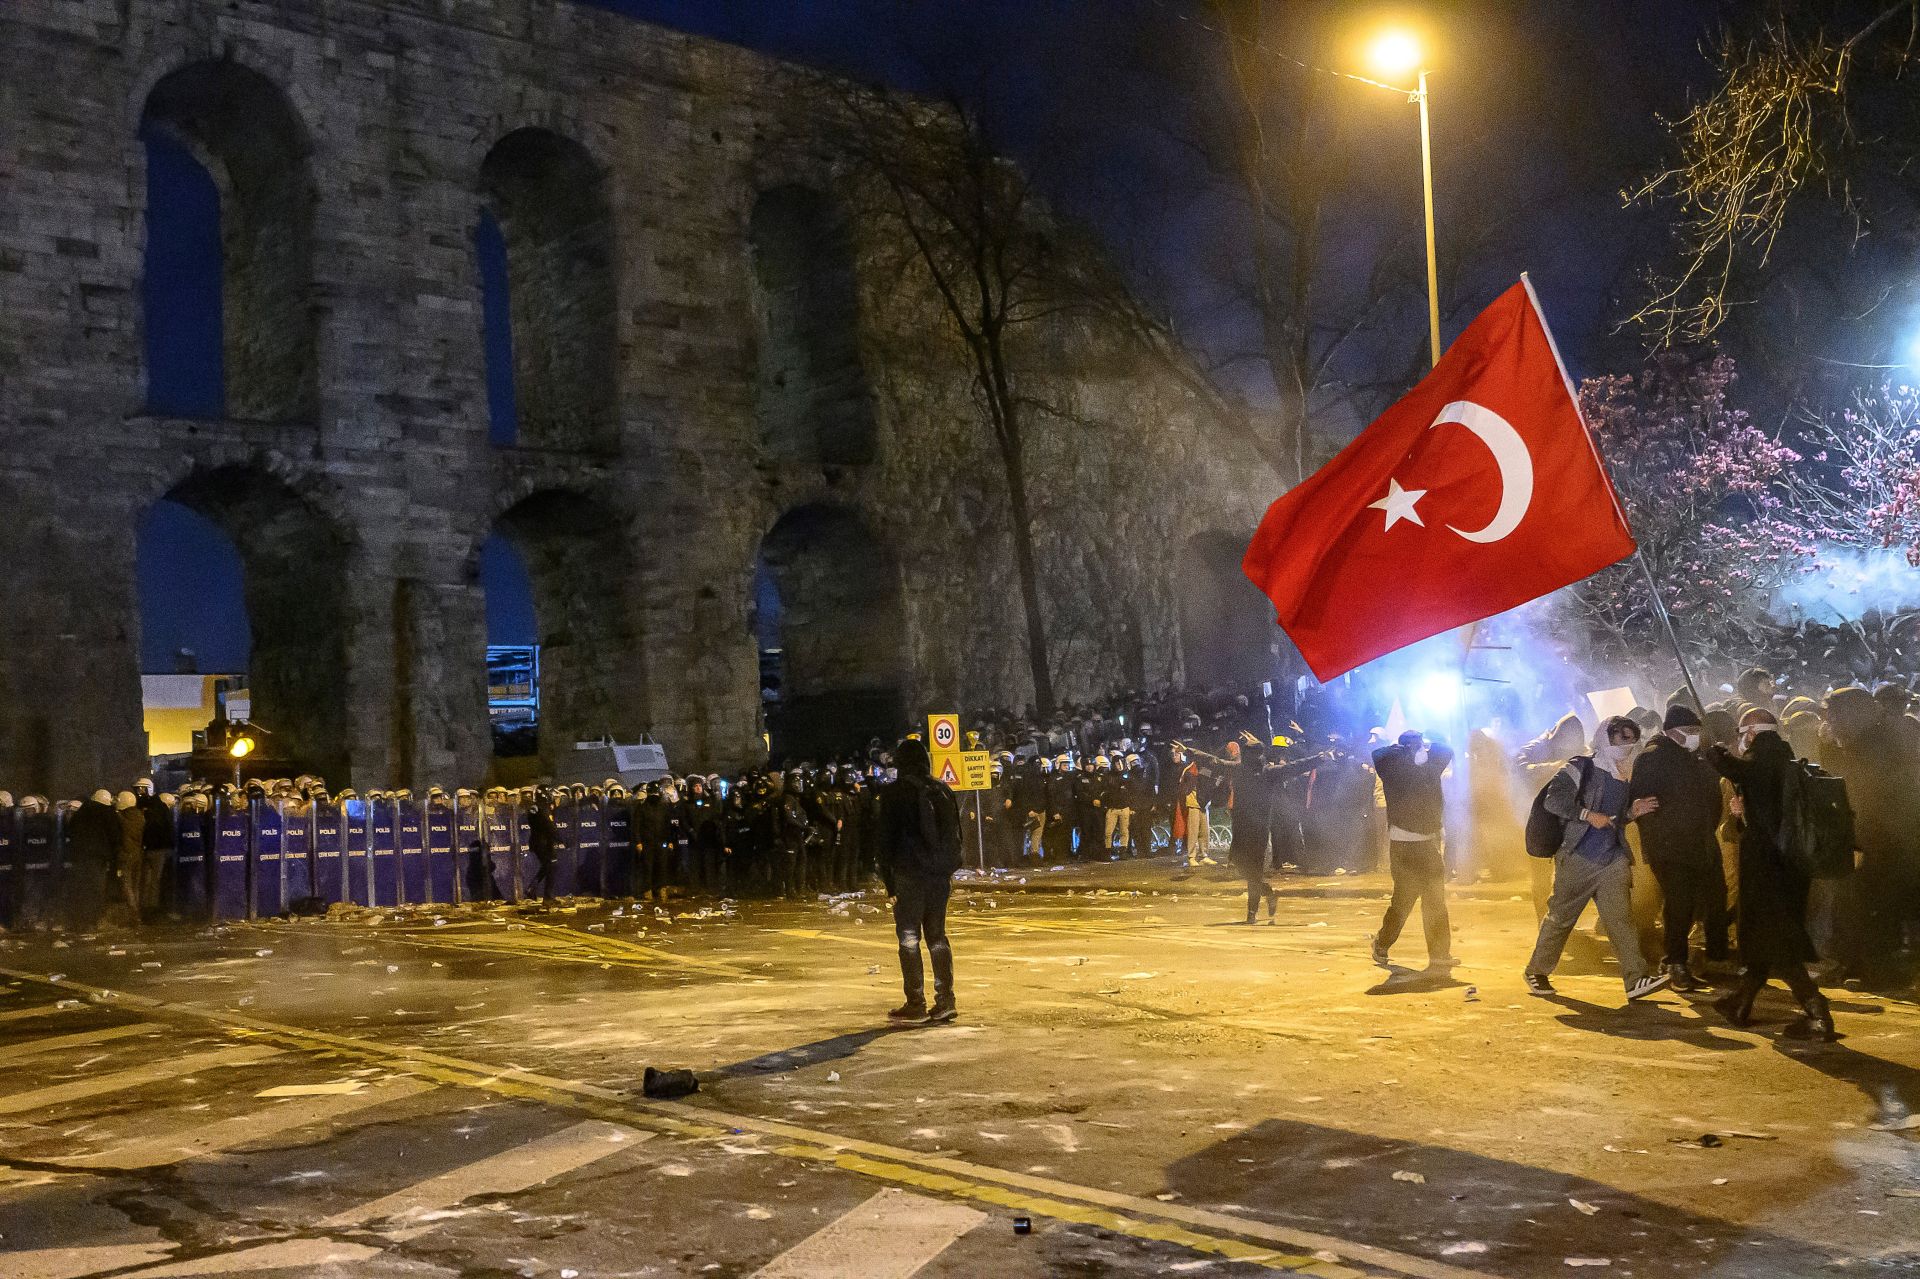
(828, 610)
(812, 402)
(549, 199)
(579, 563)
(240, 127)
(295, 584)
(1228, 635)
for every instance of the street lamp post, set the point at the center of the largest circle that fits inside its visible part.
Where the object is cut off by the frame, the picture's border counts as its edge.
(1396, 53)
(1433, 261)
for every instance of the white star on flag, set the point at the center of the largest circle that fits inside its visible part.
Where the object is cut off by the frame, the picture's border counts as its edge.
(1398, 504)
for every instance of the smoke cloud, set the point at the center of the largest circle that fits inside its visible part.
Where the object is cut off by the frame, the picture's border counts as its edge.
(1844, 584)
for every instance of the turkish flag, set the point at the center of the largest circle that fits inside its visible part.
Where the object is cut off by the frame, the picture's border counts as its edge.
(1478, 491)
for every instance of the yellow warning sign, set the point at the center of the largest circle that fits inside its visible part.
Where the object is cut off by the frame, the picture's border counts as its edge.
(943, 732)
(964, 770)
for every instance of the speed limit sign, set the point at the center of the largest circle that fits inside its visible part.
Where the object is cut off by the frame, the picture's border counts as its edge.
(943, 732)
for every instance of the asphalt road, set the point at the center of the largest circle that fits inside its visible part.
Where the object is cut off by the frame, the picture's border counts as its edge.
(1154, 1087)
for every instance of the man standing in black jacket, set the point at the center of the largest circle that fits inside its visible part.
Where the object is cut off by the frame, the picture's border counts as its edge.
(93, 837)
(156, 841)
(543, 835)
(1410, 773)
(1773, 888)
(1679, 842)
(919, 851)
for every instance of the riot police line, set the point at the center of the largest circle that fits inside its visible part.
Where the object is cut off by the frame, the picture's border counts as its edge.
(246, 855)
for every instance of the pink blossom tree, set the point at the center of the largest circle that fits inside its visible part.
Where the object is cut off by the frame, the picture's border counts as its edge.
(1705, 492)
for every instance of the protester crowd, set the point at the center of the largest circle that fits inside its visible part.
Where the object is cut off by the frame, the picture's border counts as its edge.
(1671, 821)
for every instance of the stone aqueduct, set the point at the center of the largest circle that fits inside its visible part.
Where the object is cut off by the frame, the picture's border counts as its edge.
(710, 373)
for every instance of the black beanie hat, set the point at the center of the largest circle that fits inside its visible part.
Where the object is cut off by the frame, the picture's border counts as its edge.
(1680, 715)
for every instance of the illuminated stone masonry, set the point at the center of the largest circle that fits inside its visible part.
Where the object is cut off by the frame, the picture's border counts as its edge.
(710, 376)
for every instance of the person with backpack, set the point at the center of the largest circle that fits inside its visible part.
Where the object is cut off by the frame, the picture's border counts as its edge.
(1587, 806)
(1678, 841)
(919, 851)
(1773, 885)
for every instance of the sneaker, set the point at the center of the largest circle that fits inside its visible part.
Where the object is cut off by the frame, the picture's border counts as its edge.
(1650, 984)
(942, 1011)
(1537, 984)
(908, 1012)
(1379, 952)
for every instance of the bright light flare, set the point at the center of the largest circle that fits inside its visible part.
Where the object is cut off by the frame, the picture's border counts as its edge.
(1395, 53)
(1437, 693)
(241, 748)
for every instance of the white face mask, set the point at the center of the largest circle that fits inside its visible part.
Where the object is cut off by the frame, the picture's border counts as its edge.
(1690, 740)
(1614, 757)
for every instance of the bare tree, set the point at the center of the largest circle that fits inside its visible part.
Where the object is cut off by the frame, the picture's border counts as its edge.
(980, 233)
(1796, 112)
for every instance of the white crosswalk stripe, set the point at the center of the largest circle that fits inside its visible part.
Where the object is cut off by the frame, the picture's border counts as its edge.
(890, 1236)
(202, 1139)
(152, 1072)
(410, 1212)
(86, 1038)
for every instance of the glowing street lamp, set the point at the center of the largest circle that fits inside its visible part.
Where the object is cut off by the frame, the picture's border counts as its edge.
(1395, 54)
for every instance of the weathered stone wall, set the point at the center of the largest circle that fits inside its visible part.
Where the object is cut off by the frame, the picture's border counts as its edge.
(358, 482)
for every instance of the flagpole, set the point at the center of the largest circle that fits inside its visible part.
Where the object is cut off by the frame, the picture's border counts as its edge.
(1653, 588)
(1673, 640)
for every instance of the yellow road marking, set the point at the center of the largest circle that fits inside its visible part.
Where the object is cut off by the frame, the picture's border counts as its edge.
(545, 941)
(1218, 1233)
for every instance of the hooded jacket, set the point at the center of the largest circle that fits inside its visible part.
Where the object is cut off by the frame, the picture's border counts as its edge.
(919, 820)
(1688, 788)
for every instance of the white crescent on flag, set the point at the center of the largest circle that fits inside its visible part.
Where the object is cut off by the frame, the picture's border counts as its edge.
(1509, 454)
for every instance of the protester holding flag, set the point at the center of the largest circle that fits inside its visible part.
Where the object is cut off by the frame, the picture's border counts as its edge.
(1590, 797)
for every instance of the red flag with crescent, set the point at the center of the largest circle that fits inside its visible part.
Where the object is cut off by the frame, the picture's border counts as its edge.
(1479, 490)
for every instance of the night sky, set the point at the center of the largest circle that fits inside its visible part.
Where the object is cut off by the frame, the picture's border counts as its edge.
(1046, 70)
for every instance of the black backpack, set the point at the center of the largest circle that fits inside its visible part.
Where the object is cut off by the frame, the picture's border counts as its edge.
(939, 824)
(1816, 821)
(1545, 830)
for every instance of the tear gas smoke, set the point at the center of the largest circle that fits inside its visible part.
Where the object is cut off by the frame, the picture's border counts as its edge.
(1845, 584)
